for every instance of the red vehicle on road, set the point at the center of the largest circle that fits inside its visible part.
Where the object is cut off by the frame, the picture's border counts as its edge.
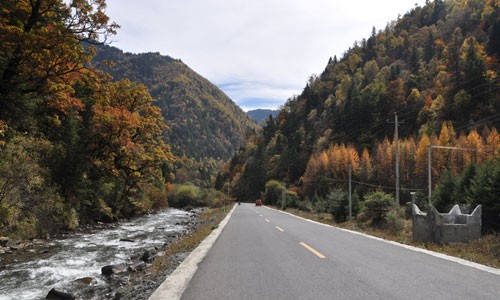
(258, 203)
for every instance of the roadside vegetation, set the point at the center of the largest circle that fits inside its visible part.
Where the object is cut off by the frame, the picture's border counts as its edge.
(189, 195)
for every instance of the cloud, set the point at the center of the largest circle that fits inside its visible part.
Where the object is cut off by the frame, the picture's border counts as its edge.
(261, 49)
(255, 94)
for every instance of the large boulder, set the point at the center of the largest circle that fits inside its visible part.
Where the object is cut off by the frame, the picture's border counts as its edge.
(112, 270)
(3, 241)
(149, 255)
(136, 267)
(14, 245)
(58, 295)
(85, 281)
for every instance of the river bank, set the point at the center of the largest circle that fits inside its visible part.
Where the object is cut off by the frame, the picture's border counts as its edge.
(143, 284)
(34, 268)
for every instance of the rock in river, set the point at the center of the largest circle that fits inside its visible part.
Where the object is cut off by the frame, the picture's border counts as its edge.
(86, 281)
(112, 270)
(3, 241)
(149, 255)
(58, 295)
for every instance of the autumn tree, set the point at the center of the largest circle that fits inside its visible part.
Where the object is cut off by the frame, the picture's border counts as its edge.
(41, 45)
(441, 157)
(126, 141)
(407, 150)
(384, 162)
(365, 166)
(421, 155)
(493, 141)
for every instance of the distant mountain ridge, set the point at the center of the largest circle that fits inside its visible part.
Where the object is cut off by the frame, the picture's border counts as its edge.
(259, 115)
(203, 122)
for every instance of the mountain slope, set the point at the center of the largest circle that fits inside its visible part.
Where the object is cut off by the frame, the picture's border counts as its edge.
(203, 122)
(259, 115)
(436, 67)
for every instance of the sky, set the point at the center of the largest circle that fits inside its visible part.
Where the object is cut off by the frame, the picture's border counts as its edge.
(259, 52)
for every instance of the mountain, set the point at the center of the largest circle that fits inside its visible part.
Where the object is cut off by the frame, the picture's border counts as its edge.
(203, 122)
(259, 115)
(436, 68)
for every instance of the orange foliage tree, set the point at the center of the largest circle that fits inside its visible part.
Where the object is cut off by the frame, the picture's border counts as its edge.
(126, 138)
(41, 46)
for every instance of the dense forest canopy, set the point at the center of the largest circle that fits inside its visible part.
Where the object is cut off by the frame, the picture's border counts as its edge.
(436, 68)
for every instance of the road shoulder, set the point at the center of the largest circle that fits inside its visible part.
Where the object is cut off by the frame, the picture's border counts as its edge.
(174, 285)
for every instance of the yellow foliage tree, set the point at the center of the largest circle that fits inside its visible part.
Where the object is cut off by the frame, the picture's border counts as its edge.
(493, 141)
(365, 166)
(421, 161)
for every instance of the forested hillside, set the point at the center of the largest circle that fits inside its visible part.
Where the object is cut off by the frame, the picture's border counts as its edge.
(437, 69)
(203, 123)
(75, 147)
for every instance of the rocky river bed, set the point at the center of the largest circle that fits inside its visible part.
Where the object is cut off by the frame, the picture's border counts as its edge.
(102, 262)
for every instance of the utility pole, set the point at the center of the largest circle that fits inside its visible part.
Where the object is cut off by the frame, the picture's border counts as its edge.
(283, 199)
(228, 187)
(396, 140)
(430, 172)
(350, 193)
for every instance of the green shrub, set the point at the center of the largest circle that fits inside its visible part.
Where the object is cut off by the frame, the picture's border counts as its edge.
(338, 204)
(213, 198)
(395, 220)
(305, 205)
(274, 192)
(185, 195)
(376, 207)
(292, 199)
(320, 205)
(191, 195)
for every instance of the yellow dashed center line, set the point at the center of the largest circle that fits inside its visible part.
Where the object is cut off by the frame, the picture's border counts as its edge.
(279, 228)
(312, 250)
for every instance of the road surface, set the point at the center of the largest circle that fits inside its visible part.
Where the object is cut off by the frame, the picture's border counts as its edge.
(266, 254)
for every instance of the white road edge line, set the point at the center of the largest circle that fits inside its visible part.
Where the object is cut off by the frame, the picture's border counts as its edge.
(416, 249)
(176, 283)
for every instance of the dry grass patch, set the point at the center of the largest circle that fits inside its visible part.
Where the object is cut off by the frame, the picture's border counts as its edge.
(485, 250)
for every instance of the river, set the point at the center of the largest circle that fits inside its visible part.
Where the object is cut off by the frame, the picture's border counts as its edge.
(59, 262)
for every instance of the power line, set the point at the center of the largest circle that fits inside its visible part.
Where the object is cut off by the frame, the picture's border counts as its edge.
(369, 184)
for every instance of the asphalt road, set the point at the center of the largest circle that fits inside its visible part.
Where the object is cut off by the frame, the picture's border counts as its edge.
(266, 254)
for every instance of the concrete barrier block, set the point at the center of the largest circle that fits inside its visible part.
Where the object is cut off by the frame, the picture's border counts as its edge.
(451, 227)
